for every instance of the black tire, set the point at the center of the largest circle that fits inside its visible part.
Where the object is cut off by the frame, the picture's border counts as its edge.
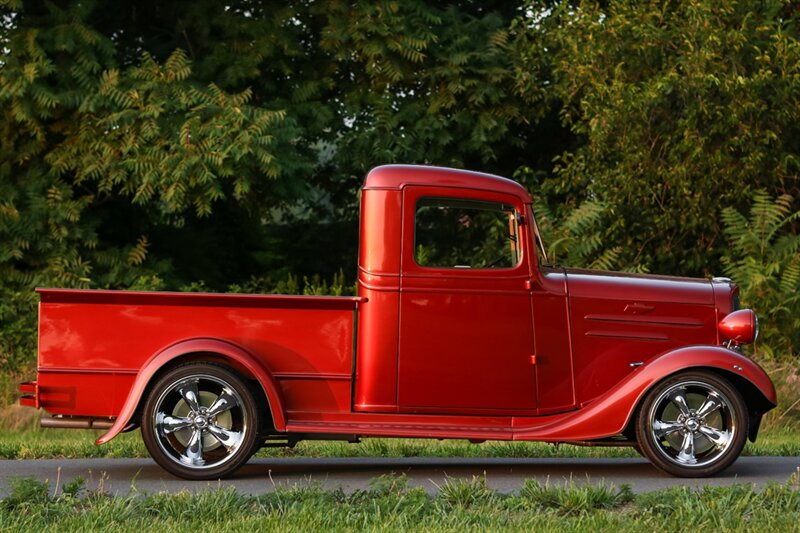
(200, 421)
(692, 424)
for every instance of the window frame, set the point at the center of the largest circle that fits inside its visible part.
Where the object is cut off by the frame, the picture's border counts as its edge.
(411, 196)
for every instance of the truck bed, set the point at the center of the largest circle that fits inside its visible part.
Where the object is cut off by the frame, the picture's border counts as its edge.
(93, 343)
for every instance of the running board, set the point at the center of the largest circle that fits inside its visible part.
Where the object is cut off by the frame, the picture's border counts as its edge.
(367, 429)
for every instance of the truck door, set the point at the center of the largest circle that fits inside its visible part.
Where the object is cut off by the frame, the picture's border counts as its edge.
(466, 338)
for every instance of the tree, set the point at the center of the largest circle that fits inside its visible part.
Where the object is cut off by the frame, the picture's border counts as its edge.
(159, 144)
(78, 132)
(683, 108)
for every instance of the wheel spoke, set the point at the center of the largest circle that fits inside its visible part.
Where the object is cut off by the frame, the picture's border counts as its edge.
(223, 403)
(720, 438)
(171, 424)
(679, 399)
(686, 454)
(188, 392)
(194, 450)
(711, 404)
(226, 437)
(665, 429)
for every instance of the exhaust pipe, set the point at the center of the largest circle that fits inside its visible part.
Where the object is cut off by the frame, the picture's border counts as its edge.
(76, 422)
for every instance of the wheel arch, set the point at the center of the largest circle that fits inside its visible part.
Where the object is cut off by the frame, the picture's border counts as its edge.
(219, 351)
(757, 400)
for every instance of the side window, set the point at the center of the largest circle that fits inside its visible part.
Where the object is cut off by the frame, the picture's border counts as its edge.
(461, 233)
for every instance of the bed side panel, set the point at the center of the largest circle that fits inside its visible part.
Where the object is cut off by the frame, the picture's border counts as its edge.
(89, 353)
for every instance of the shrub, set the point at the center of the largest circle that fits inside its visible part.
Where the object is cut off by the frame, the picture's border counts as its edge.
(764, 260)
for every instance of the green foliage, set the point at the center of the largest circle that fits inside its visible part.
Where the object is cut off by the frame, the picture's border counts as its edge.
(316, 286)
(710, 504)
(575, 499)
(78, 132)
(432, 85)
(160, 140)
(74, 488)
(678, 108)
(17, 328)
(24, 492)
(577, 239)
(212, 141)
(465, 493)
(764, 260)
(388, 484)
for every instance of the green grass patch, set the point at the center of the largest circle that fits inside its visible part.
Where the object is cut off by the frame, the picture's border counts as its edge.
(775, 441)
(390, 504)
(37, 443)
(70, 443)
(67, 443)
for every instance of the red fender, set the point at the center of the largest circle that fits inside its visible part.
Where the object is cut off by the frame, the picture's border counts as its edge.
(609, 414)
(216, 346)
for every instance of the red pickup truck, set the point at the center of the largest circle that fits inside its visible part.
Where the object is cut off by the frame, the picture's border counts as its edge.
(461, 329)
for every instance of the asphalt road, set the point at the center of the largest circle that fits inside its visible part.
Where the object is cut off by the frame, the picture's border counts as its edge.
(118, 476)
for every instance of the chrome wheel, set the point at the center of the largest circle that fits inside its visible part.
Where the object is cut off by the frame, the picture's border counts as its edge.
(200, 422)
(692, 425)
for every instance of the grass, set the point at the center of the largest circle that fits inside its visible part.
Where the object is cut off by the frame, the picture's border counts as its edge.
(390, 504)
(65, 443)
(459, 505)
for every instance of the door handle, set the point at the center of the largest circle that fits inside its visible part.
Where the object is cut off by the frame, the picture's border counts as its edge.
(637, 308)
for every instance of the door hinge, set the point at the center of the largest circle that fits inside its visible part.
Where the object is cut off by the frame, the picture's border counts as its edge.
(533, 359)
(528, 284)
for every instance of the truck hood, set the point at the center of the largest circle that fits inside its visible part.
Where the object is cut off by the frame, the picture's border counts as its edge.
(583, 283)
(620, 320)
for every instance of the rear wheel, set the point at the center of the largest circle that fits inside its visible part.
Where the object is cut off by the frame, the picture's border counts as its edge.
(693, 424)
(200, 421)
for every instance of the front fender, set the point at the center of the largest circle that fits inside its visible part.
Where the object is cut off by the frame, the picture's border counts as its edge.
(206, 345)
(610, 413)
(717, 357)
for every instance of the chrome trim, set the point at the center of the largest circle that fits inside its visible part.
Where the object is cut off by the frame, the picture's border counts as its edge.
(733, 346)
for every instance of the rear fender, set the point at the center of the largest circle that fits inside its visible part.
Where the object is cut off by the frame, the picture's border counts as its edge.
(610, 414)
(227, 350)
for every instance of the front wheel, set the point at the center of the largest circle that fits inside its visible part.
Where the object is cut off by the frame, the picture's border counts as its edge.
(693, 424)
(200, 421)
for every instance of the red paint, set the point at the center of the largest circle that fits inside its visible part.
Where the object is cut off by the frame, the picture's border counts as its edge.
(739, 326)
(529, 352)
(233, 353)
(481, 319)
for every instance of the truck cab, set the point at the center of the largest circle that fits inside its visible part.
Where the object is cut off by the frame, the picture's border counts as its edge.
(449, 265)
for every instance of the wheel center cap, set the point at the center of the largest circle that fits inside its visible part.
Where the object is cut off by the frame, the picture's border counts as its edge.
(692, 424)
(200, 422)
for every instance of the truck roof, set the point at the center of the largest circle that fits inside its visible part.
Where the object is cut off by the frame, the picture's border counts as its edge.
(398, 176)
